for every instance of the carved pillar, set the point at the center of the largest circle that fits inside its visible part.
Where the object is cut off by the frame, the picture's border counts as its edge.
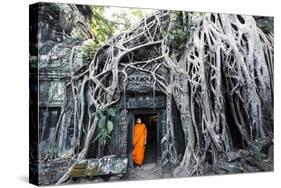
(122, 135)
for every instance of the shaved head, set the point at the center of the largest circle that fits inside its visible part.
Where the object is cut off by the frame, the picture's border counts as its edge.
(138, 120)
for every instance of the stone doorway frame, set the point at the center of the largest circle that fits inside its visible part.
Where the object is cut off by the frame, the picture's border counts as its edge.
(161, 120)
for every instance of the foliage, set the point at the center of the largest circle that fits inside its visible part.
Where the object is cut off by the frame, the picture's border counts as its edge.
(105, 125)
(89, 51)
(178, 33)
(102, 30)
(125, 19)
(216, 94)
(103, 27)
(265, 23)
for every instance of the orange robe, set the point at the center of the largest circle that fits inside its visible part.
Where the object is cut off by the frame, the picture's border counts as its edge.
(140, 134)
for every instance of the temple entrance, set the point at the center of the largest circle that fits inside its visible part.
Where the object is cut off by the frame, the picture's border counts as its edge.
(150, 121)
(153, 119)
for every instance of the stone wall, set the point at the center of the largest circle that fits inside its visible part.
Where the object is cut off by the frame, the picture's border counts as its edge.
(58, 33)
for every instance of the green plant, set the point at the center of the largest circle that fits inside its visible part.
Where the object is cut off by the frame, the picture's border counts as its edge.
(105, 127)
(178, 33)
(89, 51)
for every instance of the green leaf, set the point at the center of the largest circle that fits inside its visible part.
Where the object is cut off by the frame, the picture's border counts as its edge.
(99, 113)
(109, 126)
(102, 121)
(104, 132)
(111, 112)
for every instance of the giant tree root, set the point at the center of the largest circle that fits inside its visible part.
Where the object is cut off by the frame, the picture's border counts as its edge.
(223, 78)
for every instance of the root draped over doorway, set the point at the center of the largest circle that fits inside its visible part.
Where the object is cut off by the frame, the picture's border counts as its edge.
(222, 78)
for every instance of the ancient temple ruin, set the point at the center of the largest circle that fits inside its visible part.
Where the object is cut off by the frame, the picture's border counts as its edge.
(202, 112)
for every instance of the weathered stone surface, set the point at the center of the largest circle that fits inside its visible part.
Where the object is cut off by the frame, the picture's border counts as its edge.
(108, 165)
(59, 56)
(57, 37)
(56, 21)
(146, 102)
(254, 158)
(51, 172)
(140, 82)
(114, 178)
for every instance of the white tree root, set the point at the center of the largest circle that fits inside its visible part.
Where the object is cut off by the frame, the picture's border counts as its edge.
(226, 66)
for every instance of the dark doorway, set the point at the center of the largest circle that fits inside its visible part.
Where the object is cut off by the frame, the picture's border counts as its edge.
(150, 120)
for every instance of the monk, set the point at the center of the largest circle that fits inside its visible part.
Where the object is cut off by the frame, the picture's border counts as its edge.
(140, 134)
